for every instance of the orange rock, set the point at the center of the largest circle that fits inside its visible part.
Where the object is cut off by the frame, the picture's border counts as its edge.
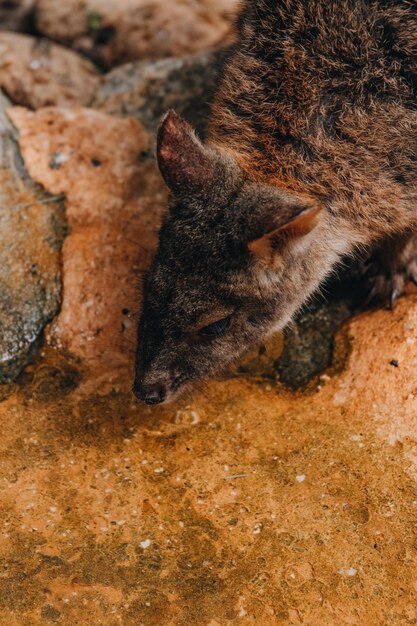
(381, 377)
(114, 201)
(36, 73)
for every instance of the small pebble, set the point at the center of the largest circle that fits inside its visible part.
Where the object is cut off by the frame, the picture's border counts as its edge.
(348, 572)
(58, 159)
(36, 64)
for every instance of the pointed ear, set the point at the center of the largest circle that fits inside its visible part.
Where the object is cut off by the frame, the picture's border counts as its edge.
(186, 165)
(269, 247)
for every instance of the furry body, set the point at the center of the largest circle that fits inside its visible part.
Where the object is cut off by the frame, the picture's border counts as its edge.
(311, 154)
(321, 97)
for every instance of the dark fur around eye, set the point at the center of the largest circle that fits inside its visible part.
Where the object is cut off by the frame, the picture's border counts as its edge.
(215, 329)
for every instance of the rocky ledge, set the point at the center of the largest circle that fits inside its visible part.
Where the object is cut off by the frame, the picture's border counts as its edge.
(32, 227)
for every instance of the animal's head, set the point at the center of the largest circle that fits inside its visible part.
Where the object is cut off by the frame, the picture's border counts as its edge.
(234, 262)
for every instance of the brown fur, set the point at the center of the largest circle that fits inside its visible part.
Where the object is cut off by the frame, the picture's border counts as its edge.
(324, 112)
(311, 155)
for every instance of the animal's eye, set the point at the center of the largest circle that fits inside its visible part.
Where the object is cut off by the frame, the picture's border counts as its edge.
(215, 329)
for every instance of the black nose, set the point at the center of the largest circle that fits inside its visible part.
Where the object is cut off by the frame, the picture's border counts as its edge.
(151, 394)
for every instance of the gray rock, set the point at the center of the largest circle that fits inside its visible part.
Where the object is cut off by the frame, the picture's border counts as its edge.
(146, 90)
(31, 234)
(317, 341)
(309, 347)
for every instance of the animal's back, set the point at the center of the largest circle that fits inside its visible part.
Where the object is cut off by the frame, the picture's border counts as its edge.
(321, 93)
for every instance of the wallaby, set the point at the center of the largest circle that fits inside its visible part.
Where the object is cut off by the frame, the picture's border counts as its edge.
(311, 155)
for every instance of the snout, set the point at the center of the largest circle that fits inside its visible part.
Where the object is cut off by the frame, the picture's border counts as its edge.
(154, 393)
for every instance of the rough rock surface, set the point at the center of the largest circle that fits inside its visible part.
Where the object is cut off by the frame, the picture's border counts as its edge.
(113, 198)
(15, 15)
(147, 89)
(382, 377)
(31, 233)
(114, 32)
(36, 73)
(309, 344)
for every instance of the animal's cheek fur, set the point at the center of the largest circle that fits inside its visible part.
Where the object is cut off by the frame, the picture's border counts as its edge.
(218, 354)
(189, 361)
(193, 358)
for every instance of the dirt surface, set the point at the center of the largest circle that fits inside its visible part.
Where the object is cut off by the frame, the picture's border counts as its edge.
(239, 504)
(242, 503)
